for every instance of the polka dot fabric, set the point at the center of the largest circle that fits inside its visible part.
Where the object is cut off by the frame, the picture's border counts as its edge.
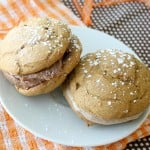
(130, 23)
(140, 144)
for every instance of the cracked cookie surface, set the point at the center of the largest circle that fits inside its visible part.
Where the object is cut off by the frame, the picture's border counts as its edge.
(34, 45)
(109, 85)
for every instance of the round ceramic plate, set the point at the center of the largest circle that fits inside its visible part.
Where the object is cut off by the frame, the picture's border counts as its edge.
(49, 116)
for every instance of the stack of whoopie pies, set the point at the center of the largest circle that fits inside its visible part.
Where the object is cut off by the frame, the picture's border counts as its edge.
(106, 87)
(37, 55)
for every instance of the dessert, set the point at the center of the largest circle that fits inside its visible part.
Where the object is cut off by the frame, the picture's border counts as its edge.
(37, 55)
(108, 87)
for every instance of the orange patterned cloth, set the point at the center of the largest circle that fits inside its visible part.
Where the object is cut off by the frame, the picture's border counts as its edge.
(12, 136)
(85, 11)
(14, 11)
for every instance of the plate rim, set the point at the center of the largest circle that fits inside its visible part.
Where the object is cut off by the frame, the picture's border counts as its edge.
(74, 145)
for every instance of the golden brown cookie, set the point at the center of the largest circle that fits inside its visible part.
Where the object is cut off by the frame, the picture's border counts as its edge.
(34, 45)
(108, 87)
(48, 79)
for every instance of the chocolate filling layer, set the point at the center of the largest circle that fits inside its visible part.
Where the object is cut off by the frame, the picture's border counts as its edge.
(32, 80)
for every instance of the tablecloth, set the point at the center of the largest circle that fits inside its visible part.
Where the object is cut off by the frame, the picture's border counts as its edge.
(127, 22)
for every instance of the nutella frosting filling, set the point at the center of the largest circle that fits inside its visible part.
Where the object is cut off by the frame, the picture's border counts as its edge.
(32, 80)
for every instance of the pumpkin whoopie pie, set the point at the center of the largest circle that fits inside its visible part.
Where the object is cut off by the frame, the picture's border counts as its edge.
(37, 55)
(108, 87)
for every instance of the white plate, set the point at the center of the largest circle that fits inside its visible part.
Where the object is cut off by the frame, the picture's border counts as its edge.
(50, 117)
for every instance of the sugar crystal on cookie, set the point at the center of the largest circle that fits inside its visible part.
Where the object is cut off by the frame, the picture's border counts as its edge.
(109, 103)
(88, 76)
